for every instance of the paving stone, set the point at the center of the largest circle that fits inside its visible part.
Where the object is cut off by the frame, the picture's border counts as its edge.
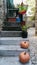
(11, 40)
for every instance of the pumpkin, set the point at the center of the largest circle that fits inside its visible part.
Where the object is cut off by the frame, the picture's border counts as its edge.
(24, 57)
(24, 44)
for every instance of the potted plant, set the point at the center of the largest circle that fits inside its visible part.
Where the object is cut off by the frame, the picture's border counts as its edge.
(24, 31)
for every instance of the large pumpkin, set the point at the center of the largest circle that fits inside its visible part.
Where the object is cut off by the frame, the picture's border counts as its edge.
(24, 44)
(24, 57)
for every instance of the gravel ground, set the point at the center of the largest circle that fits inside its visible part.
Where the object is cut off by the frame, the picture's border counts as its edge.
(33, 45)
(33, 50)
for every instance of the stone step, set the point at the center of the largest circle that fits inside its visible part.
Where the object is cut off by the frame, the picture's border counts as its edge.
(10, 33)
(12, 40)
(11, 24)
(11, 28)
(12, 61)
(11, 50)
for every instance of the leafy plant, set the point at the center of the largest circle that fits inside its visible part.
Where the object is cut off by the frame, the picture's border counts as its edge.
(24, 28)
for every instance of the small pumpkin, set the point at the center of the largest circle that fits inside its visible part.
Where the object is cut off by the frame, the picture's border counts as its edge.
(24, 44)
(24, 57)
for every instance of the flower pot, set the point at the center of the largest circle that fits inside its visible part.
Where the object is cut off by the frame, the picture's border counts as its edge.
(24, 34)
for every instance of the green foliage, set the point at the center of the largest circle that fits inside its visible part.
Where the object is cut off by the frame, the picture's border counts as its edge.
(22, 8)
(24, 28)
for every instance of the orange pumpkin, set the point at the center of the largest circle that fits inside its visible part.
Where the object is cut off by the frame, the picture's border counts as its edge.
(24, 57)
(24, 44)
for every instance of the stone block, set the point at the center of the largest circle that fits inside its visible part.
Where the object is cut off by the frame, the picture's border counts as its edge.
(12, 40)
(11, 33)
(11, 50)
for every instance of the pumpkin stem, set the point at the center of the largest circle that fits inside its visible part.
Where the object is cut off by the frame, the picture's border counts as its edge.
(24, 52)
(24, 42)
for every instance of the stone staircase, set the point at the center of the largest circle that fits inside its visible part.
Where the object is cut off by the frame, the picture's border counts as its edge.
(10, 50)
(11, 29)
(11, 26)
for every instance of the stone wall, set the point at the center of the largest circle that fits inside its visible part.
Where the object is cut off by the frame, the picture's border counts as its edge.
(1, 13)
(36, 19)
(30, 22)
